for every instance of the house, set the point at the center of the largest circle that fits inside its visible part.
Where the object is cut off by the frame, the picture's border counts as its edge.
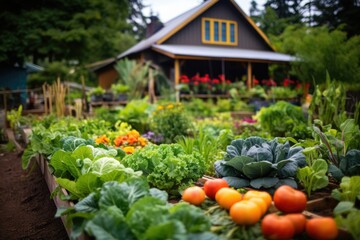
(14, 79)
(214, 38)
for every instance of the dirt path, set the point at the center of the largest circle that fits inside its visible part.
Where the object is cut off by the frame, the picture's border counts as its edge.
(26, 210)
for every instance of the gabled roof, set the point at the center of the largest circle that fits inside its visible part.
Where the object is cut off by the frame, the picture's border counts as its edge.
(177, 23)
(190, 51)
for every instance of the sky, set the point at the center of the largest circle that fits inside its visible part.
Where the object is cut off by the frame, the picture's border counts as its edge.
(167, 9)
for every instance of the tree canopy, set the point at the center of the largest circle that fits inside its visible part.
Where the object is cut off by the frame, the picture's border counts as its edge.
(78, 30)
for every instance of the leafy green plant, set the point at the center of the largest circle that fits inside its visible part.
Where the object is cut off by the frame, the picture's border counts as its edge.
(87, 168)
(260, 163)
(171, 121)
(14, 117)
(167, 166)
(313, 177)
(136, 113)
(119, 88)
(283, 119)
(349, 221)
(282, 92)
(96, 91)
(133, 210)
(199, 108)
(208, 145)
(342, 160)
(349, 189)
(134, 75)
(328, 103)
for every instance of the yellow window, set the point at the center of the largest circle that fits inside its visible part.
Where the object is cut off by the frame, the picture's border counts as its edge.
(219, 31)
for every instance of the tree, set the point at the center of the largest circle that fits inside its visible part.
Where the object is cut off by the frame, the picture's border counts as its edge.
(79, 30)
(320, 50)
(335, 13)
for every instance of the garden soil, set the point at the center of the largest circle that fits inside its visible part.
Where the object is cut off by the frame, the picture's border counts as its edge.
(26, 210)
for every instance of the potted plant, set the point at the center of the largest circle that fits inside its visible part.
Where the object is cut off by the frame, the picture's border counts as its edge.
(120, 91)
(96, 94)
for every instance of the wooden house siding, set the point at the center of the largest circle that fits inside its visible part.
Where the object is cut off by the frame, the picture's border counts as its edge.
(107, 77)
(248, 38)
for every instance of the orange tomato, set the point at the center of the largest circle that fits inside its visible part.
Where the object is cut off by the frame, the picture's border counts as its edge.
(259, 194)
(226, 197)
(212, 186)
(323, 228)
(261, 204)
(298, 220)
(245, 212)
(194, 195)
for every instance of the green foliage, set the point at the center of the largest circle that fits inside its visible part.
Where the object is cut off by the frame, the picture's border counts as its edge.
(48, 133)
(96, 91)
(208, 145)
(350, 222)
(282, 92)
(199, 108)
(132, 210)
(328, 103)
(134, 75)
(119, 88)
(111, 115)
(171, 121)
(313, 177)
(136, 113)
(283, 119)
(86, 168)
(14, 117)
(321, 50)
(342, 160)
(260, 163)
(167, 167)
(84, 31)
(349, 189)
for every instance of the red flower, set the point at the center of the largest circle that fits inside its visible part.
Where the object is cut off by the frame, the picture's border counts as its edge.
(215, 81)
(256, 82)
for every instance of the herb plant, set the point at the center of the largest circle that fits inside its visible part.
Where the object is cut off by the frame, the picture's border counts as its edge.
(260, 163)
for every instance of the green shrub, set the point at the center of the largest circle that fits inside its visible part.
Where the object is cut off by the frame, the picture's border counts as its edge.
(284, 119)
(171, 121)
(136, 113)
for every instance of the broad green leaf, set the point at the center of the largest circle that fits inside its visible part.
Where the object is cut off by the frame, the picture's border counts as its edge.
(123, 195)
(282, 163)
(343, 207)
(335, 172)
(257, 169)
(156, 193)
(172, 229)
(83, 152)
(320, 166)
(148, 211)
(281, 151)
(222, 170)
(348, 132)
(260, 153)
(287, 181)
(88, 183)
(237, 182)
(26, 157)
(192, 217)
(106, 165)
(69, 186)
(265, 182)
(239, 162)
(109, 224)
(88, 204)
(319, 182)
(289, 170)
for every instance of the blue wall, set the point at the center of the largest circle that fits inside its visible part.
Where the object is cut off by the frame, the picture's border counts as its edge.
(14, 78)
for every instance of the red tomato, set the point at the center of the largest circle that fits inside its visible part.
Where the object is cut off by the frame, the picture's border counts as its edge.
(194, 195)
(289, 200)
(323, 228)
(277, 227)
(299, 221)
(212, 186)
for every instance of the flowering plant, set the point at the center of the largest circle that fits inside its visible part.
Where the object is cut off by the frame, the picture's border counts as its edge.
(204, 84)
(128, 142)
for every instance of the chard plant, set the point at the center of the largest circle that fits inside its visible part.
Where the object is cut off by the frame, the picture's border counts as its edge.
(260, 163)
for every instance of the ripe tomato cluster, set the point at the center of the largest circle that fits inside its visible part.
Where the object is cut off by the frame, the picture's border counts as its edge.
(291, 222)
(249, 208)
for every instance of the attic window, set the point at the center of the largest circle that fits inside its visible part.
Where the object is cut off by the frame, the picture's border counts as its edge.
(218, 31)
